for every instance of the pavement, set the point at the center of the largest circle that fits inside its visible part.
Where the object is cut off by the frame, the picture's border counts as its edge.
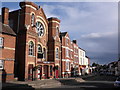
(31, 84)
(47, 83)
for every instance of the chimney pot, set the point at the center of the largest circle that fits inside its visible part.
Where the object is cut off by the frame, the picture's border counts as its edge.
(75, 41)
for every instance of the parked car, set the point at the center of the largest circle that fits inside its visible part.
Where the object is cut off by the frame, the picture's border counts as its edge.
(109, 74)
(117, 82)
(102, 73)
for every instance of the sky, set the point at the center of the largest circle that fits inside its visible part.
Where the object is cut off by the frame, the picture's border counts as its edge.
(93, 24)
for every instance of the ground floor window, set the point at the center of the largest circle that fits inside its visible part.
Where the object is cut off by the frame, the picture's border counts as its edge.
(67, 66)
(1, 64)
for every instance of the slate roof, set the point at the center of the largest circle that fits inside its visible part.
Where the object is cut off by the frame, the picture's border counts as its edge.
(5, 29)
(63, 33)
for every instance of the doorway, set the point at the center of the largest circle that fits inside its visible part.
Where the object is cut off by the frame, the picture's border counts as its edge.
(30, 72)
(46, 71)
(40, 72)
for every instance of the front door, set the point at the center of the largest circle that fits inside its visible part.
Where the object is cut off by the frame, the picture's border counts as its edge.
(30, 72)
(46, 71)
(57, 73)
(40, 72)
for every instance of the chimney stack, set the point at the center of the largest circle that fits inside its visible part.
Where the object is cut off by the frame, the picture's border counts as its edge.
(5, 15)
(74, 41)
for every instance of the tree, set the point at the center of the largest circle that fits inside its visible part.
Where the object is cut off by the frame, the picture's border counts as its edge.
(95, 64)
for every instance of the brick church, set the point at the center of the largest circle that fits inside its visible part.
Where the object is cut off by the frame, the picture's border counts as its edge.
(32, 46)
(37, 47)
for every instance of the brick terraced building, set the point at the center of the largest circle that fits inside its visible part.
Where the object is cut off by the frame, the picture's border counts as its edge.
(7, 48)
(33, 47)
(67, 54)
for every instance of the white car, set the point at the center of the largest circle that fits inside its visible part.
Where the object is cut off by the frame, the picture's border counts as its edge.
(117, 82)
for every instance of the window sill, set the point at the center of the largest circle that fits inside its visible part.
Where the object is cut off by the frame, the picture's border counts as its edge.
(31, 56)
(67, 56)
(57, 59)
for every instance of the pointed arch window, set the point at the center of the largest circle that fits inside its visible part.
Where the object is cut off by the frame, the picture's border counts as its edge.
(40, 54)
(57, 31)
(31, 48)
(39, 49)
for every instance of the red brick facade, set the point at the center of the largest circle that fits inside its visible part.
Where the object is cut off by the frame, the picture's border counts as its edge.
(39, 50)
(67, 55)
(76, 58)
(8, 55)
(7, 48)
(32, 66)
(54, 45)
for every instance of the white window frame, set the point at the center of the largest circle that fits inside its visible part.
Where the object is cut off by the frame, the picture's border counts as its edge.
(67, 52)
(57, 53)
(67, 41)
(32, 19)
(1, 42)
(1, 64)
(31, 48)
(67, 66)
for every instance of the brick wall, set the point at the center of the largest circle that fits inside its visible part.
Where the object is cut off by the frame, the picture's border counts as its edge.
(8, 55)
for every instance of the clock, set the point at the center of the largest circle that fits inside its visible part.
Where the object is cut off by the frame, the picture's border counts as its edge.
(39, 29)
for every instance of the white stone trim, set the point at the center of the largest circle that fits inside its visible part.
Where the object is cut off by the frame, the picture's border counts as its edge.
(9, 48)
(65, 60)
(67, 37)
(32, 13)
(67, 48)
(8, 59)
(57, 64)
(42, 20)
(30, 7)
(66, 72)
(31, 56)
(31, 63)
(75, 46)
(75, 55)
(27, 26)
(55, 22)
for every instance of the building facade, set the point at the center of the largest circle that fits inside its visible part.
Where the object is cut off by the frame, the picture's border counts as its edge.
(67, 55)
(81, 60)
(37, 50)
(54, 45)
(7, 48)
(32, 46)
(84, 62)
(76, 69)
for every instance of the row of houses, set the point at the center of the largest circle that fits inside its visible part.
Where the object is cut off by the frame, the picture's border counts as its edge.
(33, 48)
(114, 68)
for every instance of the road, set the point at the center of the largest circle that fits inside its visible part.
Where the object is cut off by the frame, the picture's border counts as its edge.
(94, 82)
